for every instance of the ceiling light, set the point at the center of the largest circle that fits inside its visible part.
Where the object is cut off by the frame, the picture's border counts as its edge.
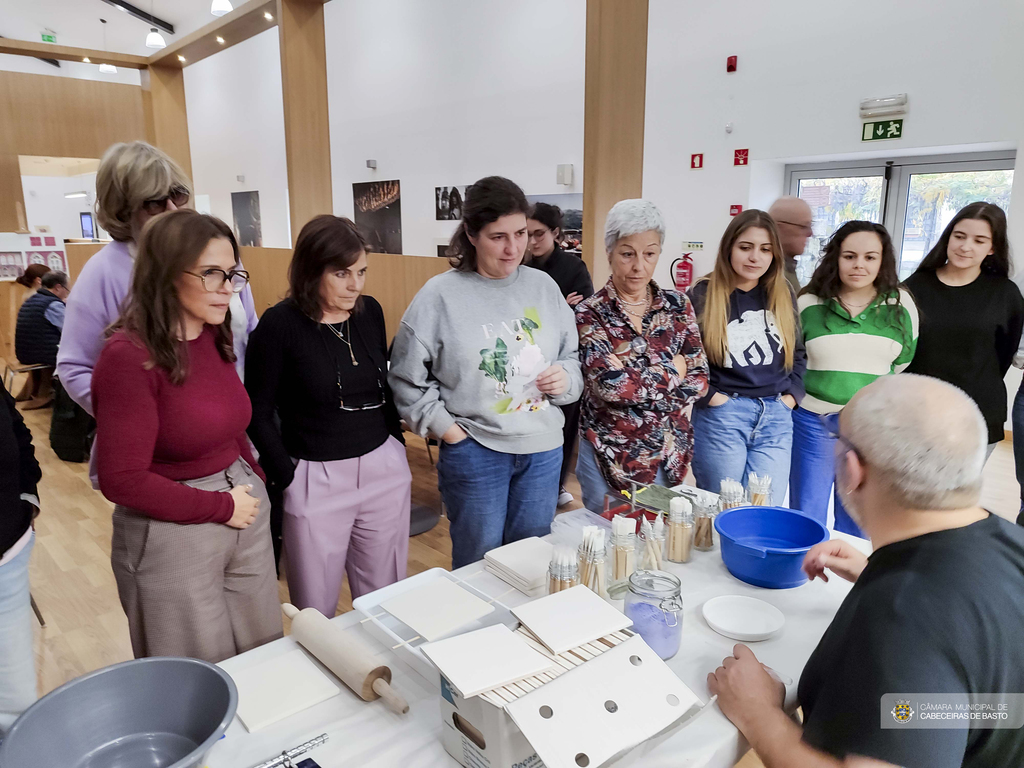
(108, 69)
(220, 7)
(181, 58)
(154, 39)
(220, 40)
(267, 16)
(86, 60)
(121, 8)
(70, 195)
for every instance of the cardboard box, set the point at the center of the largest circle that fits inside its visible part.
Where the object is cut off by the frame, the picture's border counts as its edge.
(480, 735)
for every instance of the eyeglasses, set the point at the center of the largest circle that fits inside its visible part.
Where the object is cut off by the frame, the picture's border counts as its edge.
(179, 196)
(537, 234)
(368, 406)
(830, 421)
(214, 279)
(808, 228)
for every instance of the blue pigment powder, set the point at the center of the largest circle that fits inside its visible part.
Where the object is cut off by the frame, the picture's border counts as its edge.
(655, 627)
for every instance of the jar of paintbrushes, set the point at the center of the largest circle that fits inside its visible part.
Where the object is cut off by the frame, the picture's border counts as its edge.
(704, 528)
(680, 531)
(564, 570)
(759, 489)
(592, 557)
(623, 554)
(652, 543)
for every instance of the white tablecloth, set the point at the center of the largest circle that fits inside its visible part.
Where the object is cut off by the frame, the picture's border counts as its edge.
(368, 734)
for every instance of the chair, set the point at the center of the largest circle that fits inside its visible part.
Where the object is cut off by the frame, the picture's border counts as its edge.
(35, 609)
(12, 370)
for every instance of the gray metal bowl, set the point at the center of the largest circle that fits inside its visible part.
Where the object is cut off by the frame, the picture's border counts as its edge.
(161, 712)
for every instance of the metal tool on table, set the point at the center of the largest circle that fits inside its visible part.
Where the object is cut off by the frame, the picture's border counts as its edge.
(284, 760)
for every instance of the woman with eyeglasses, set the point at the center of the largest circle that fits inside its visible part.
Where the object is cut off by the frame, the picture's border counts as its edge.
(191, 549)
(858, 324)
(134, 183)
(325, 424)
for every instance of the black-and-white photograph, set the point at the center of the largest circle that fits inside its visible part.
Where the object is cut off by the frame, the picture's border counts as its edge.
(571, 238)
(448, 203)
(378, 208)
(245, 210)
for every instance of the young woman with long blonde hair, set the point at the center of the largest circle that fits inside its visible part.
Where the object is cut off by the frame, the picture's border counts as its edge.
(751, 333)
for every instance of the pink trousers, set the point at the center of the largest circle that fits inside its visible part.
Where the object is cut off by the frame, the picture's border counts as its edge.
(349, 516)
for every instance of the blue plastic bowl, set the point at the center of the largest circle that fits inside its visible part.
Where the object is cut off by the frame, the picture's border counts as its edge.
(765, 546)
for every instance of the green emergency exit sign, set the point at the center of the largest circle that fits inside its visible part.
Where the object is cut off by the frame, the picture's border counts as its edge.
(882, 129)
(49, 38)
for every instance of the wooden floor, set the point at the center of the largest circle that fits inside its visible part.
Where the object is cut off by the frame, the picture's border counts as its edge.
(74, 587)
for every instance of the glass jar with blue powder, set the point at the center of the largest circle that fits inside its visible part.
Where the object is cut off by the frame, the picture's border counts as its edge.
(655, 605)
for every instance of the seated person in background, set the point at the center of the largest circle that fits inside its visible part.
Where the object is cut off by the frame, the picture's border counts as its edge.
(37, 334)
(938, 608)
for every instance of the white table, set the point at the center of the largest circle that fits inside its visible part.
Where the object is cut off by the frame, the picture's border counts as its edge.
(368, 734)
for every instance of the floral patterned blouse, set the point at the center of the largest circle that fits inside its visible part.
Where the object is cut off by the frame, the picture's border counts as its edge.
(634, 413)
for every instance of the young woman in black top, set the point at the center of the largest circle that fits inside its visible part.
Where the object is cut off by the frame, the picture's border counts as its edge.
(318, 362)
(971, 312)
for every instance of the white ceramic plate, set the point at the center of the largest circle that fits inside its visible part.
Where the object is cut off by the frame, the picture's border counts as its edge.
(743, 618)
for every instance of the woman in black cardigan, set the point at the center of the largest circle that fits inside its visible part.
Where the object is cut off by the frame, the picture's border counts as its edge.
(19, 503)
(318, 361)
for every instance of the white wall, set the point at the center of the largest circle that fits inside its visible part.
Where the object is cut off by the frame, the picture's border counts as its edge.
(803, 69)
(45, 204)
(75, 69)
(446, 92)
(236, 128)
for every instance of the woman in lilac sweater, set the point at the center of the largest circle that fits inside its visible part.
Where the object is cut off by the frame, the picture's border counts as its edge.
(135, 182)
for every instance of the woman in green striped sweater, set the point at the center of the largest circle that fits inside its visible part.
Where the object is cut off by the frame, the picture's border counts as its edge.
(858, 324)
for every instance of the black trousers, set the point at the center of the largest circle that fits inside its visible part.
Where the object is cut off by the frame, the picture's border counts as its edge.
(570, 434)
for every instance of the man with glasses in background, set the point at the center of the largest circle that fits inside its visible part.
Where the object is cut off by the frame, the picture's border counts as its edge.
(794, 219)
(936, 612)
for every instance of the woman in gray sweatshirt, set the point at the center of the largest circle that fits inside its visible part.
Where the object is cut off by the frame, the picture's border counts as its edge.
(484, 354)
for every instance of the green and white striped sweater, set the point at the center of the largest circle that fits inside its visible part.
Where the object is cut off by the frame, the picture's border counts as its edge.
(847, 353)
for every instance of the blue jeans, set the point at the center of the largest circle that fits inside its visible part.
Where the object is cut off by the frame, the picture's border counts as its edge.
(495, 498)
(17, 660)
(812, 475)
(743, 435)
(1017, 422)
(592, 482)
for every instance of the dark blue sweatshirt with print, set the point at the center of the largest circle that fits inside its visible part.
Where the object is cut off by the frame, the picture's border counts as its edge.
(756, 366)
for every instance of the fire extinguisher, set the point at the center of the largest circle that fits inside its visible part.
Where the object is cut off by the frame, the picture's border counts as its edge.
(682, 271)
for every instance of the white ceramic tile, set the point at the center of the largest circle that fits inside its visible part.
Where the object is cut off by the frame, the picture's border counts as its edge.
(567, 619)
(604, 707)
(527, 559)
(280, 687)
(437, 609)
(485, 659)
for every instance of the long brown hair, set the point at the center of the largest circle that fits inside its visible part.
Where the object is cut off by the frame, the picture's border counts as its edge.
(997, 263)
(714, 319)
(171, 244)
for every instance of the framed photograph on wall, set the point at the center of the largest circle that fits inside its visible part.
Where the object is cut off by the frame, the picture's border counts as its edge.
(378, 208)
(571, 239)
(88, 226)
(245, 210)
(448, 203)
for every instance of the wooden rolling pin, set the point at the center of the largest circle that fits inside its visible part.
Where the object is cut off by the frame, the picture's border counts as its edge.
(345, 656)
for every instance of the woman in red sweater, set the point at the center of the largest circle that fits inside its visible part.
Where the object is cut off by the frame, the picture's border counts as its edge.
(191, 549)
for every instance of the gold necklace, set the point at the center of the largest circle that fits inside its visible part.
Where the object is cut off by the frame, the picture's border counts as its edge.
(341, 336)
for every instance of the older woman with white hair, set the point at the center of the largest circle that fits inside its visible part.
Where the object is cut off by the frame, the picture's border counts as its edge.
(643, 365)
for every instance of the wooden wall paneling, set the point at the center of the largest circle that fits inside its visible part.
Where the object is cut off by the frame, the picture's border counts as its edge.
(168, 121)
(65, 117)
(306, 130)
(12, 196)
(78, 254)
(243, 22)
(268, 274)
(11, 297)
(66, 53)
(613, 134)
(394, 280)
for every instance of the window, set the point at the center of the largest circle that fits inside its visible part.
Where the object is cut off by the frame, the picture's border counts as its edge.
(914, 197)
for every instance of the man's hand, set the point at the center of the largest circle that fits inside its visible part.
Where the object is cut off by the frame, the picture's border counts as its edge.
(838, 556)
(744, 688)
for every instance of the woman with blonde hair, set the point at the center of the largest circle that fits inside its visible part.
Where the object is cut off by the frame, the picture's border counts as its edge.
(751, 333)
(134, 183)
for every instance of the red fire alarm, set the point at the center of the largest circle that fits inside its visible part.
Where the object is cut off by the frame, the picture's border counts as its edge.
(735, 210)
(730, 64)
(697, 161)
(740, 156)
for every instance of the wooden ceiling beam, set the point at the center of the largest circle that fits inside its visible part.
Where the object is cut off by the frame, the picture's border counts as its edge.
(245, 21)
(67, 53)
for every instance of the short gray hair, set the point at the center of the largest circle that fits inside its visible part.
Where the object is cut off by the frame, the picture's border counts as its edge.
(927, 438)
(631, 217)
(53, 279)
